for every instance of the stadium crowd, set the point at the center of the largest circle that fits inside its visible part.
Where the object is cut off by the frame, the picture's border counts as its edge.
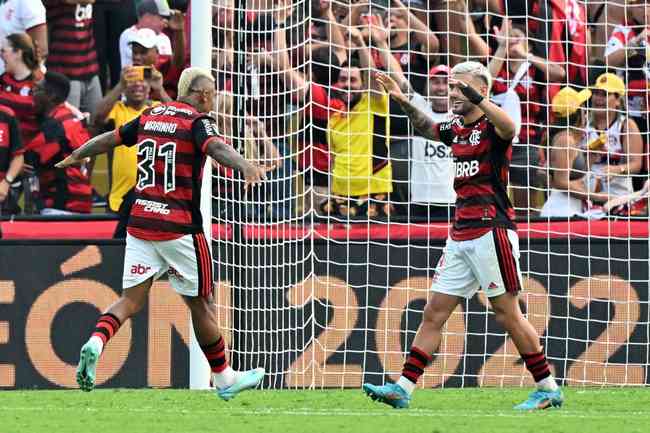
(573, 75)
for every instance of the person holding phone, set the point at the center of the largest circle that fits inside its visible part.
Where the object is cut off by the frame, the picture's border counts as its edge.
(145, 58)
(123, 103)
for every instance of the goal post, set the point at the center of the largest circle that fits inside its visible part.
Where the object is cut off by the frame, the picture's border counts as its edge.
(201, 56)
(331, 296)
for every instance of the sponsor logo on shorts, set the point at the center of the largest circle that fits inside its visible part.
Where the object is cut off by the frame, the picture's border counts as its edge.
(493, 286)
(139, 269)
(171, 272)
(153, 206)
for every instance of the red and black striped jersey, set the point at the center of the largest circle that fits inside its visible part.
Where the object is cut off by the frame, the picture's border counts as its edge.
(10, 143)
(481, 163)
(69, 188)
(18, 95)
(72, 42)
(172, 140)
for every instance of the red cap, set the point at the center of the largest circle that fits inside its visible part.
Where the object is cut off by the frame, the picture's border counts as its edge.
(439, 70)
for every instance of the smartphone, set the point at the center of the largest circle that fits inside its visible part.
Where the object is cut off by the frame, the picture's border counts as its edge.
(142, 72)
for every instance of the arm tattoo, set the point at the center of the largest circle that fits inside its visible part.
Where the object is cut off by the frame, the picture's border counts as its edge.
(100, 144)
(405, 87)
(422, 123)
(226, 155)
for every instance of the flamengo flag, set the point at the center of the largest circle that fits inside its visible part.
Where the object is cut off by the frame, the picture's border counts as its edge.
(565, 30)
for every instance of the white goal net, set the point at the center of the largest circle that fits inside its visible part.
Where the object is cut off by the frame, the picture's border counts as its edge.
(325, 269)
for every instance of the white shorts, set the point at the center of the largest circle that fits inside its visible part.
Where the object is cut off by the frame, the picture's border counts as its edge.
(490, 262)
(186, 260)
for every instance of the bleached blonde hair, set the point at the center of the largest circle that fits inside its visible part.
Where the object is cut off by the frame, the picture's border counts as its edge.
(475, 69)
(189, 76)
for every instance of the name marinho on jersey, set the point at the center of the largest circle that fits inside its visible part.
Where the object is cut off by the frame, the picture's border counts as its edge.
(158, 126)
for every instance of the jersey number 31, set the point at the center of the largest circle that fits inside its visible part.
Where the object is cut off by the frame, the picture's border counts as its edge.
(148, 151)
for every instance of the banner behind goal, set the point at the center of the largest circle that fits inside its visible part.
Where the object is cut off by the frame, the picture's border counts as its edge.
(325, 269)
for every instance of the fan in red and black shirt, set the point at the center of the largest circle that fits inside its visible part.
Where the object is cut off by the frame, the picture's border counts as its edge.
(72, 50)
(18, 81)
(65, 190)
(483, 250)
(11, 158)
(165, 232)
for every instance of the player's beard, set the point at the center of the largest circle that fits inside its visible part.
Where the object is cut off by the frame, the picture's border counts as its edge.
(461, 107)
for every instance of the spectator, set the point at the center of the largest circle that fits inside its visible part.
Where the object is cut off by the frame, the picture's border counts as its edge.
(603, 17)
(153, 15)
(326, 29)
(111, 18)
(460, 36)
(517, 71)
(412, 43)
(358, 140)
(432, 166)
(560, 32)
(423, 174)
(223, 16)
(123, 103)
(18, 81)
(567, 163)
(619, 155)
(25, 16)
(627, 51)
(72, 50)
(314, 156)
(256, 147)
(145, 53)
(11, 160)
(67, 190)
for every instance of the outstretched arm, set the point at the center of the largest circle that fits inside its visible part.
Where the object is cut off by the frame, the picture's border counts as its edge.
(420, 120)
(227, 156)
(95, 146)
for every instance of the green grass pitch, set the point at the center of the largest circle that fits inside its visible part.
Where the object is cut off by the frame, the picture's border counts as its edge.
(441, 411)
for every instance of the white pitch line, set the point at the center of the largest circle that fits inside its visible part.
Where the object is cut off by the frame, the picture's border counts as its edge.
(337, 412)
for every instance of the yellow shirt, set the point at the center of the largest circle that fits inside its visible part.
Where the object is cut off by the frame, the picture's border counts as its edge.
(125, 159)
(358, 141)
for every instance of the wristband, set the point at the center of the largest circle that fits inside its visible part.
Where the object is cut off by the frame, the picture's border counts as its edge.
(472, 95)
(9, 181)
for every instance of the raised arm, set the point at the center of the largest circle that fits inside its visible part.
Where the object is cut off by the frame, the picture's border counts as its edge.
(333, 30)
(177, 27)
(279, 60)
(422, 32)
(505, 127)
(105, 105)
(499, 57)
(365, 58)
(420, 120)
(380, 39)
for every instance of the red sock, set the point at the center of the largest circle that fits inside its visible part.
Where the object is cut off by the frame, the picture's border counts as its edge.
(107, 326)
(537, 364)
(216, 355)
(415, 364)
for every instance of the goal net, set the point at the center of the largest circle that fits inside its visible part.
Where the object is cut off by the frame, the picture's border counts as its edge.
(325, 269)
